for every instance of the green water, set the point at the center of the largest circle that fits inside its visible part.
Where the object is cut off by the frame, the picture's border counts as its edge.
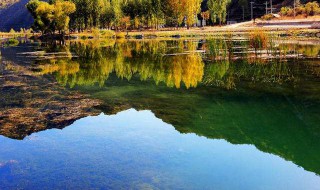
(246, 121)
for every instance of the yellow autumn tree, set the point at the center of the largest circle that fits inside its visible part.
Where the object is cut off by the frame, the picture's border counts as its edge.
(191, 9)
(62, 10)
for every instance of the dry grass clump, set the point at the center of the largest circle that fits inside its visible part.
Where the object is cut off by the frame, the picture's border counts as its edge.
(258, 39)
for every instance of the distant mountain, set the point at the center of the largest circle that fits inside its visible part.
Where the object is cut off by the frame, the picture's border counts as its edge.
(13, 14)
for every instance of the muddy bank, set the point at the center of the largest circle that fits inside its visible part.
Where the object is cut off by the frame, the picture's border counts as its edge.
(30, 103)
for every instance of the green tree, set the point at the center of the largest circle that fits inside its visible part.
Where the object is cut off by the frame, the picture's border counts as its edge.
(218, 9)
(44, 17)
(191, 9)
(174, 11)
(62, 10)
(51, 17)
(117, 11)
(107, 15)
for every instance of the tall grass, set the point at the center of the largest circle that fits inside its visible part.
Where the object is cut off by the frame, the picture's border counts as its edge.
(258, 40)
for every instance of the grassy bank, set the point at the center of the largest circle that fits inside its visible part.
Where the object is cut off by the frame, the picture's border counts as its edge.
(206, 32)
(14, 35)
(197, 32)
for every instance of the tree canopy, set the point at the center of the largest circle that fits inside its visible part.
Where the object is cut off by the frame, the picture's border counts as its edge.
(80, 15)
(218, 9)
(52, 16)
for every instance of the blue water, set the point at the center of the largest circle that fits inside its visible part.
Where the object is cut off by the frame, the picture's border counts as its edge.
(135, 150)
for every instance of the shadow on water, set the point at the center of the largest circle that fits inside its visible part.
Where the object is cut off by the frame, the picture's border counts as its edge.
(272, 104)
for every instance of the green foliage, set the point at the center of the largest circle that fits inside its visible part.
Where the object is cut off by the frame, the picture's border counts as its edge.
(258, 40)
(49, 18)
(218, 9)
(284, 10)
(217, 48)
(312, 8)
(12, 31)
(120, 35)
(12, 42)
(62, 10)
(95, 32)
(267, 17)
(134, 14)
(107, 33)
(309, 9)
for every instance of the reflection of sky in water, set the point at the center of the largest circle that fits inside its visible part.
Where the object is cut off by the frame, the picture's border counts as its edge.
(136, 150)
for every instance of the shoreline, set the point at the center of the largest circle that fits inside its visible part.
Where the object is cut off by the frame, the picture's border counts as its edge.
(205, 32)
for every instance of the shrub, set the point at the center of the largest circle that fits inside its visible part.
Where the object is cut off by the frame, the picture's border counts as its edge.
(29, 31)
(300, 10)
(258, 39)
(12, 31)
(95, 32)
(267, 17)
(312, 8)
(309, 9)
(290, 12)
(12, 42)
(108, 33)
(120, 35)
(284, 11)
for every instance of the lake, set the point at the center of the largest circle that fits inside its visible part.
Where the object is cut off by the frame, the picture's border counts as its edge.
(160, 114)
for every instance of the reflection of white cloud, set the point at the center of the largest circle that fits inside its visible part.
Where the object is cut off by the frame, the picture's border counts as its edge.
(10, 162)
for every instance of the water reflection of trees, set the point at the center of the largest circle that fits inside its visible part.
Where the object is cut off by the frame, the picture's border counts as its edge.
(146, 60)
(311, 51)
(173, 63)
(227, 75)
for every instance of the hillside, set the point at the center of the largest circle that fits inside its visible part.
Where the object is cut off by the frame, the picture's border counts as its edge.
(14, 15)
(6, 3)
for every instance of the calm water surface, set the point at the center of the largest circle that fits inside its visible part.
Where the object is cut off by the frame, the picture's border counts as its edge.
(159, 115)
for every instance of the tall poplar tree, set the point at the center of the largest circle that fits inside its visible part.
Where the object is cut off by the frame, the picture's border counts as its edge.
(218, 10)
(191, 9)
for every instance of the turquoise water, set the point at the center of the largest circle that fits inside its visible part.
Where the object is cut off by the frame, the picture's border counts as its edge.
(158, 115)
(134, 149)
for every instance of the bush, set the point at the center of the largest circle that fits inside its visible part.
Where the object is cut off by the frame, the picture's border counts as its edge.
(12, 31)
(309, 9)
(95, 32)
(108, 33)
(12, 42)
(267, 17)
(284, 11)
(120, 35)
(300, 10)
(258, 39)
(290, 12)
(312, 8)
